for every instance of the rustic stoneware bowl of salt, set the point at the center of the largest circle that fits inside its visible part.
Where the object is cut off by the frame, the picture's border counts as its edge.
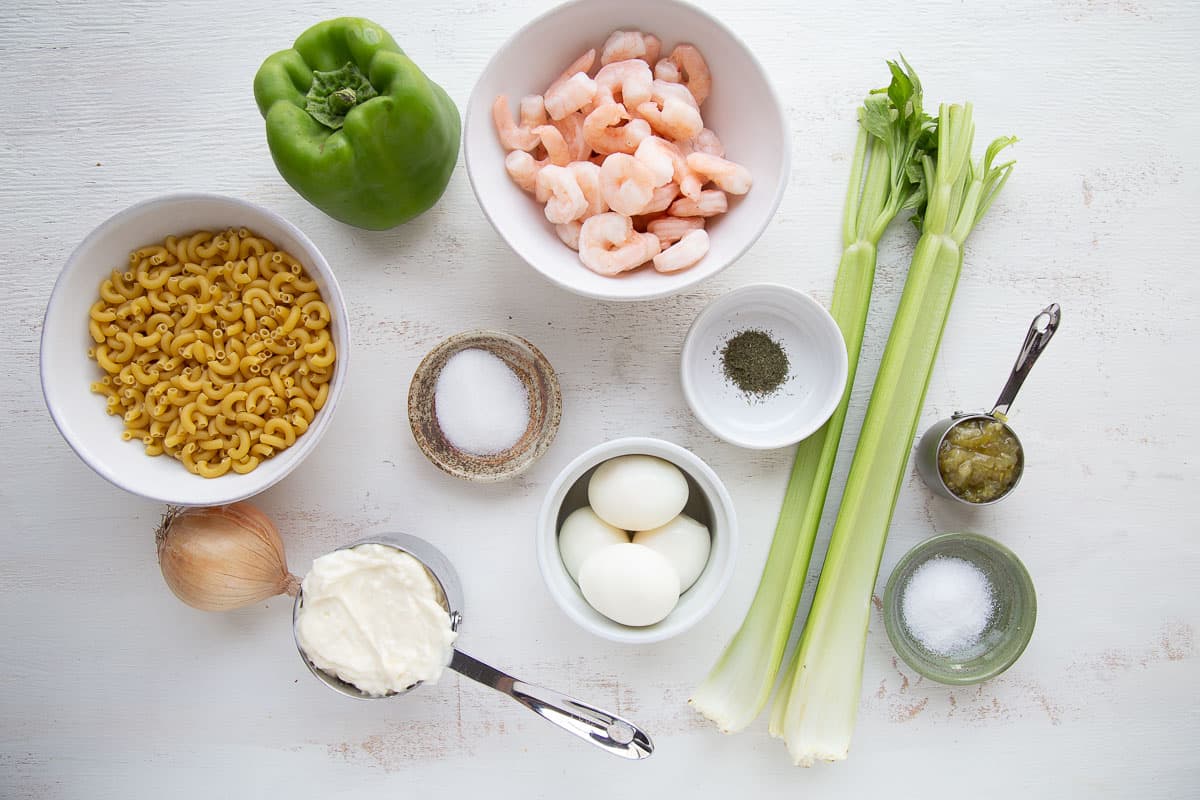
(500, 405)
(960, 608)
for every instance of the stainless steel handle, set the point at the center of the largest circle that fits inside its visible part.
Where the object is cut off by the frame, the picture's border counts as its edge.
(595, 726)
(1040, 331)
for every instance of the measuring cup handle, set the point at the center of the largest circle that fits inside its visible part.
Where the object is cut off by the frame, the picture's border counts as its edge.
(1040, 332)
(595, 726)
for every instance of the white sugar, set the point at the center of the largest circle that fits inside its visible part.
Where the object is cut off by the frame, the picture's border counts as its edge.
(481, 405)
(946, 604)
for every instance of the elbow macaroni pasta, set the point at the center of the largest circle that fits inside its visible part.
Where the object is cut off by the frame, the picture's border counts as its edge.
(214, 349)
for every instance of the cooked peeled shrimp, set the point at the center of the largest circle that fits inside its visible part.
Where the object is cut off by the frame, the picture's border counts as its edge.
(568, 233)
(662, 198)
(690, 182)
(672, 111)
(569, 96)
(604, 133)
(653, 48)
(665, 70)
(675, 120)
(609, 245)
(558, 189)
(624, 45)
(557, 152)
(541, 189)
(710, 203)
(533, 111)
(690, 249)
(728, 176)
(627, 82)
(706, 142)
(693, 71)
(571, 128)
(582, 64)
(512, 136)
(627, 184)
(660, 90)
(671, 229)
(635, 131)
(587, 175)
(656, 154)
(523, 169)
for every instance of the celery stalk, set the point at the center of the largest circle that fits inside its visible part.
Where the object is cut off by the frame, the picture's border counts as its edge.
(893, 134)
(816, 708)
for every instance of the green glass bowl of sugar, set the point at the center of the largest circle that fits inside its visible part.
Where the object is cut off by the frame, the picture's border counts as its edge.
(959, 608)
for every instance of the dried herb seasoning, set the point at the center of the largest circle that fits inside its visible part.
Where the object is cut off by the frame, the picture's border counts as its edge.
(754, 362)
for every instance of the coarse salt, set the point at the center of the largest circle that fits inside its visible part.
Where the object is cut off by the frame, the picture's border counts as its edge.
(481, 405)
(946, 604)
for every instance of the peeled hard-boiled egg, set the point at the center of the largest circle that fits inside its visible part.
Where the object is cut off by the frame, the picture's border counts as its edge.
(630, 584)
(583, 533)
(637, 492)
(682, 541)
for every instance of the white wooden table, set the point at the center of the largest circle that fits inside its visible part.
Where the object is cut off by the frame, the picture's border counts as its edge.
(109, 687)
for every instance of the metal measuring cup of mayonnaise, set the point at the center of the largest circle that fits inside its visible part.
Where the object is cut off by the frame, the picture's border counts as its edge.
(600, 728)
(932, 444)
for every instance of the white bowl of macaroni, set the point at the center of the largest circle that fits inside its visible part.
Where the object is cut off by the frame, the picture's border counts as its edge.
(194, 349)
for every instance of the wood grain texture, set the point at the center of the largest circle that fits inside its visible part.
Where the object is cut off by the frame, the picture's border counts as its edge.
(111, 688)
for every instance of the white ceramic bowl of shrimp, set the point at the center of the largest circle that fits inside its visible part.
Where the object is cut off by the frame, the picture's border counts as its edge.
(67, 372)
(743, 109)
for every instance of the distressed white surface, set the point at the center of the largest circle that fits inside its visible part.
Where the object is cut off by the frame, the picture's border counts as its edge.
(111, 688)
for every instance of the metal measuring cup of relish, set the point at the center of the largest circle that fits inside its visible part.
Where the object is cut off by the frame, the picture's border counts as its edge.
(938, 437)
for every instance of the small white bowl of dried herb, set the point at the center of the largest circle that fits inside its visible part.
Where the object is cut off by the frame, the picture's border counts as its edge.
(763, 366)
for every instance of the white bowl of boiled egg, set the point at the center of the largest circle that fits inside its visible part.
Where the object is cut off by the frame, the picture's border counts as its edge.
(636, 540)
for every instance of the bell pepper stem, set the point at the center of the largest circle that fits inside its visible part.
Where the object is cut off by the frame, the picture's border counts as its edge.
(341, 101)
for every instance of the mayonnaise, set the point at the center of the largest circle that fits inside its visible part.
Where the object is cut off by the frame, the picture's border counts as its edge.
(371, 616)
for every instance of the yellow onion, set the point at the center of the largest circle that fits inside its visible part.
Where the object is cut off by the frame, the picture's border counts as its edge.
(217, 559)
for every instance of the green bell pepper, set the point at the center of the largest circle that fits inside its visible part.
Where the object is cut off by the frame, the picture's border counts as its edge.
(355, 127)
